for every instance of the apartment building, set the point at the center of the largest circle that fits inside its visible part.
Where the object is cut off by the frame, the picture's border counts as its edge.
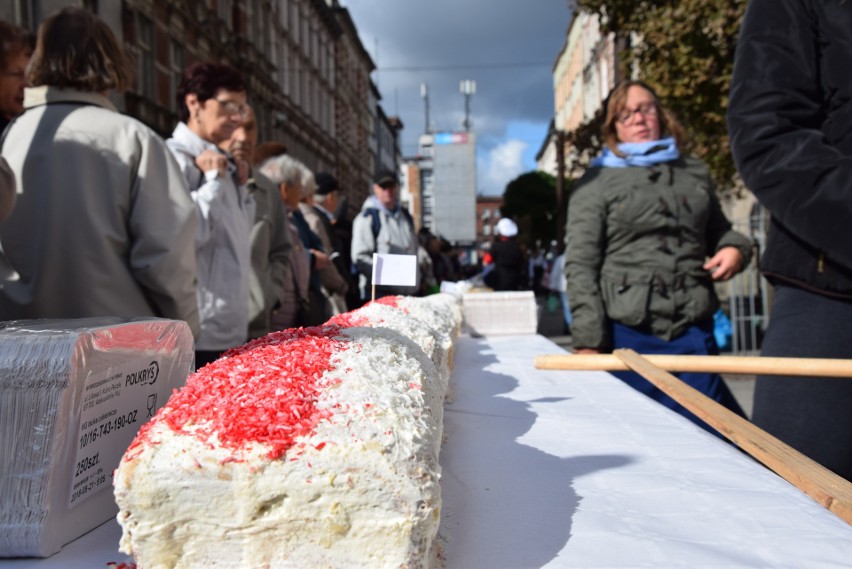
(307, 71)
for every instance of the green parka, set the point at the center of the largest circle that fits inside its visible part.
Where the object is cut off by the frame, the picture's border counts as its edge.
(637, 239)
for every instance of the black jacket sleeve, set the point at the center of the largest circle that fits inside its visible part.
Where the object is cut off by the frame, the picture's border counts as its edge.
(790, 117)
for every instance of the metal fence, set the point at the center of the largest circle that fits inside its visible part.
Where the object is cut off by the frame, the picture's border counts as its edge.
(749, 295)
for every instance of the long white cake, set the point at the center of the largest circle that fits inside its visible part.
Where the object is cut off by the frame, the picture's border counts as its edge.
(73, 394)
(313, 447)
(432, 322)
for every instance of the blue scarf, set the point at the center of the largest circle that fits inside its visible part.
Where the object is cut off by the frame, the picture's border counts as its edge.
(640, 154)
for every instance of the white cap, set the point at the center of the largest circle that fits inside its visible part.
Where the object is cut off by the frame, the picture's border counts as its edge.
(507, 228)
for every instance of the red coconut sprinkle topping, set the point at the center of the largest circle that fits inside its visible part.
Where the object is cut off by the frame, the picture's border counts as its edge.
(263, 392)
(392, 301)
(349, 320)
(354, 318)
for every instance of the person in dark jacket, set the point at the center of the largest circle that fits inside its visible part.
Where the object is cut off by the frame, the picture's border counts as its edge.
(646, 241)
(790, 122)
(509, 271)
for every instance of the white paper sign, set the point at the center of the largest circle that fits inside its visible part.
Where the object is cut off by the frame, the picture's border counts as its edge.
(394, 270)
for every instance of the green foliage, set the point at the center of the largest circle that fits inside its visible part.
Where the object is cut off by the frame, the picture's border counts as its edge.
(686, 51)
(530, 199)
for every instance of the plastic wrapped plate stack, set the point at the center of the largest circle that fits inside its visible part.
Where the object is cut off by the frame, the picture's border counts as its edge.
(73, 394)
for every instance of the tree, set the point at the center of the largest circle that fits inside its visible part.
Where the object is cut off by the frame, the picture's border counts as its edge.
(686, 51)
(530, 199)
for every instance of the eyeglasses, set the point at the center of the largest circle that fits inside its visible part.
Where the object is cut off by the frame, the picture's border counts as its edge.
(645, 109)
(231, 108)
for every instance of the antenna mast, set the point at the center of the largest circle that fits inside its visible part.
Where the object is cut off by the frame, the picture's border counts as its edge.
(424, 92)
(468, 89)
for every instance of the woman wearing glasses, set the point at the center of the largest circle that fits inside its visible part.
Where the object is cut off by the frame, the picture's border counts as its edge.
(211, 100)
(646, 240)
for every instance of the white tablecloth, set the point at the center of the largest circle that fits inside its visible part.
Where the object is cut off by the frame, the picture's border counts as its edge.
(574, 469)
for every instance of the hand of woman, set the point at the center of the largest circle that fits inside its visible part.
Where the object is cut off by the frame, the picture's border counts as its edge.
(210, 160)
(724, 264)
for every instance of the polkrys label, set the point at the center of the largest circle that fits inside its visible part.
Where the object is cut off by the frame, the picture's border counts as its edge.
(116, 403)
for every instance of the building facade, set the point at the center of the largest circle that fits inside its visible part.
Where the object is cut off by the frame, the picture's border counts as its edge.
(487, 216)
(585, 71)
(448, 185)
(308, 74)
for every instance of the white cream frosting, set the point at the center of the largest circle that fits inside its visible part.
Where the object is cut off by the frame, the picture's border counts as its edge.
(361, 491)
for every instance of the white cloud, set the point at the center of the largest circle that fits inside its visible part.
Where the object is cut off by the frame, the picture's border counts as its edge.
(507, 46)
(502, 164)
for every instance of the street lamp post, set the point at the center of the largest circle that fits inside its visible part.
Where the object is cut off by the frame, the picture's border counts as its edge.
(561, 205)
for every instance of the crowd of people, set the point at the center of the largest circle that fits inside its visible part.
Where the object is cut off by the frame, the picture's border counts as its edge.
(102, 217)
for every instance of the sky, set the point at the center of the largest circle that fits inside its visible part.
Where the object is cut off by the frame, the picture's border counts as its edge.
(508, 47)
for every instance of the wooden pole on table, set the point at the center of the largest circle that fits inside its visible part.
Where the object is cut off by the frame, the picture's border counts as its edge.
(809, 367)
(827, 488)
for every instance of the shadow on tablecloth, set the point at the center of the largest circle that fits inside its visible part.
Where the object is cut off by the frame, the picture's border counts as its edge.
(506, 504)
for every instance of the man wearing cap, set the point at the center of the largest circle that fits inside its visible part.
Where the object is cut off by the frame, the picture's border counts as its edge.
(332, 285)
(383, 226)
(326, 201)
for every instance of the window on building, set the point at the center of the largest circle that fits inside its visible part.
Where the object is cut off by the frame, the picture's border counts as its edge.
(177, 62)
(224, 11)
(271, 39)
(486, 230)
(306, 36)
(295, 23)
(257, 20)
(284, 13)
(146, 81)
(284, 67)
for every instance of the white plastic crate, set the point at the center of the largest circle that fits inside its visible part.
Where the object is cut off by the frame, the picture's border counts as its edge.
(500, 313)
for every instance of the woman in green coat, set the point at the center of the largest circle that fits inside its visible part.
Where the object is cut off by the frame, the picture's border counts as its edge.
(646, 240)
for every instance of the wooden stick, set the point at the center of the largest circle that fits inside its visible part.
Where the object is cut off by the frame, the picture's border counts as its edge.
(827, 488)
(809, 367)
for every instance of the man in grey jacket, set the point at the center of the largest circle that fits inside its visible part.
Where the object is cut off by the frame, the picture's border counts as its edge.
(383, 226)
(270, 236)
(212, 102)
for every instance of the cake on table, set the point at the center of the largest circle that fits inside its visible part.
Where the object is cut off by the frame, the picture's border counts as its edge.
(432, 322)
(311, 447)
